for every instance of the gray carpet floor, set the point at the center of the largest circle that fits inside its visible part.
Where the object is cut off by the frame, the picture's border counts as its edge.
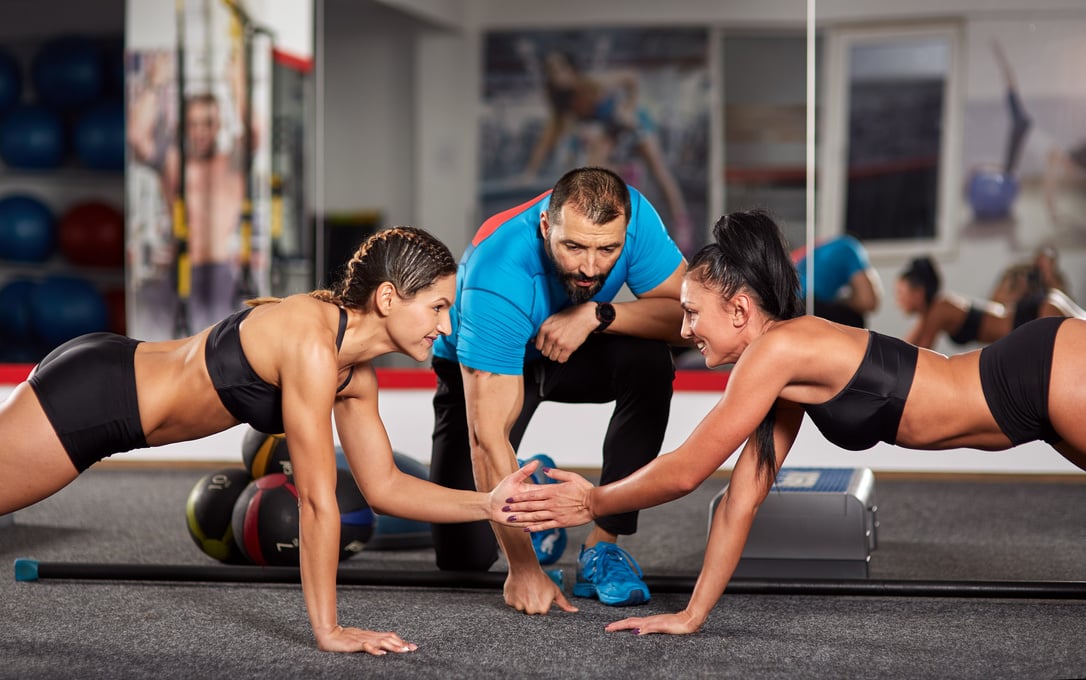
(983, 529)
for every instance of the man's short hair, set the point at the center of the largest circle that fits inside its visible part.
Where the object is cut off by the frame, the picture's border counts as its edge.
(598, 193)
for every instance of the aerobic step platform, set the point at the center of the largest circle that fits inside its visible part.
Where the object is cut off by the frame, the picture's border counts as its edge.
(815, 523)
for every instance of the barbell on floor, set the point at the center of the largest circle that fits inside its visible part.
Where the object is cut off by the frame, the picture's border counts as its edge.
(27, 569)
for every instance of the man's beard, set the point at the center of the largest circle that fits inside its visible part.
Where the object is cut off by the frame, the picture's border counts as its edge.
(577, 294)
(581, 294)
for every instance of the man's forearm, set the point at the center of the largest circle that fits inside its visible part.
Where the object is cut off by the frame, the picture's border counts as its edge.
(651, 318)
(490, 469)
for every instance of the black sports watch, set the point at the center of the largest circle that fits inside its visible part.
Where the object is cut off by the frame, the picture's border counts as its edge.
(605, 314)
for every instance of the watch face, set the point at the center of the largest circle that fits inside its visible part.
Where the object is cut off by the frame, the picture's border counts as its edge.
(605, 312)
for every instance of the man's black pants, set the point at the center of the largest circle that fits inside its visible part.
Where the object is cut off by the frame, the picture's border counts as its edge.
(635, 373)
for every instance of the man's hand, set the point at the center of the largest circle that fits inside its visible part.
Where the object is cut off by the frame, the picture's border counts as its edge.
(533, 592)
(562, 333)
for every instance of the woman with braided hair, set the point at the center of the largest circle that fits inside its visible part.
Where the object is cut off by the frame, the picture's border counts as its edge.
(280, 365)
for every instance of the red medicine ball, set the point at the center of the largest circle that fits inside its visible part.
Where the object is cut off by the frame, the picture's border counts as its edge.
(265, 521)
(92, 234)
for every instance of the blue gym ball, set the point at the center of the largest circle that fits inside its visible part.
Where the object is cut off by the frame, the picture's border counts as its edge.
(11, 81)
(27, 229)
(100, 136)
(32, 138)
(397, 533)
(15, 310)
(63, 307)
(68, 72)
(991, 194)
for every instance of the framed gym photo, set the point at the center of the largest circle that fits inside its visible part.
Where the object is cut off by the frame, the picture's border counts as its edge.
(636, 100)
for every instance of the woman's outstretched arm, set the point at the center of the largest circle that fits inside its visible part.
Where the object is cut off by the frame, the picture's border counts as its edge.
(728, 534)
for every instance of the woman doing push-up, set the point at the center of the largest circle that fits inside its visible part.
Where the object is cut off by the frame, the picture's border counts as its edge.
(859, 387)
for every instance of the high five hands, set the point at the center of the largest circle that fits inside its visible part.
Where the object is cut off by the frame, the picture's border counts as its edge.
(538, 507)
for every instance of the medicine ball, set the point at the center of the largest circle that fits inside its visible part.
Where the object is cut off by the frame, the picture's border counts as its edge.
(15, 309)
(118, 310)
(397, 533)
(265, 519)
(356, 518)
(91, 234)
(27, 229)
(32, 138)
(264, 453)
(991, 194)
(68, 72)
(21, 352)
(99, 138)
(210, 511)
(114, 65)
(11, 81)
(63, 307)
(18, 344)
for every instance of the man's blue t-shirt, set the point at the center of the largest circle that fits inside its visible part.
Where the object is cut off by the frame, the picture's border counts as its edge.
(506, 286)
(835, 263)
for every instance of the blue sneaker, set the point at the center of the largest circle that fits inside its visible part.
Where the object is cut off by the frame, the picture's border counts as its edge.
(558, 576)
(611, 574)
(550, 544)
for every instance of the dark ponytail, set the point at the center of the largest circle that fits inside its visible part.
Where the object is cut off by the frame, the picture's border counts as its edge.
(749, 253)
(921, 272)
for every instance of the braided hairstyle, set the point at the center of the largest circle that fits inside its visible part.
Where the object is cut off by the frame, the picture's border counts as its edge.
(750, 253)
(410, 258)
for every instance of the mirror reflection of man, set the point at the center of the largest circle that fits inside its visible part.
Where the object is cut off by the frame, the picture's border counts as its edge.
(214, 193)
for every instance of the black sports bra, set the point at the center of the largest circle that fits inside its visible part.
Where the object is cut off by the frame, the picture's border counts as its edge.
(868, 409)
(244, 394)
(970, 327)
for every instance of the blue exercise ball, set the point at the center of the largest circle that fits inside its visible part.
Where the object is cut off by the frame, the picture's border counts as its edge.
(991, 194)
(32, 138)
(114, 66)
(100, 136)
(64, 307)
(11, 81)
(27, 229)
(15, 310)
(21, 352)
(68, 72)
(397, 533)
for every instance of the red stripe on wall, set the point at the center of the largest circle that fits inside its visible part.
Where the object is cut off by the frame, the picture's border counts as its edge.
(298, 63)
(424, 378)
(13, 374)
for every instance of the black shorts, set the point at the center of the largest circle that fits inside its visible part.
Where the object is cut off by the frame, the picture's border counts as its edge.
(1014, 375)
(87, 388)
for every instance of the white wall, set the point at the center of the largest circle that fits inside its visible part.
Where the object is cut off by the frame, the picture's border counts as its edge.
(366, 59)
(443, 168)
(401, 84)
(573, 435)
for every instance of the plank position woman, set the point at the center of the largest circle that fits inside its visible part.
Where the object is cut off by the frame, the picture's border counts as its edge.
(281, 365)
(858, 386)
